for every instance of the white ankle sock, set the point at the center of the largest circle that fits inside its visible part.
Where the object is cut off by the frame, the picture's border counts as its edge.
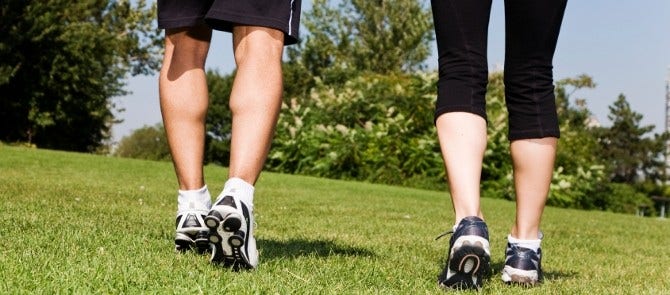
(530, 244)
(198, 200)
(240, 189)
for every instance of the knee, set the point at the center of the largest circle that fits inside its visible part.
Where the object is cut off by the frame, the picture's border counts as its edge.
(260, 45)
(188, 46)
(528, 76)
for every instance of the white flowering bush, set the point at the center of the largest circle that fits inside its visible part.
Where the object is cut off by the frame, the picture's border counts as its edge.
(376, 128)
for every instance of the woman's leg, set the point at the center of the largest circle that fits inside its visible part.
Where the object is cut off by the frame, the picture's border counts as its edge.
(531, 34)
(461, 28)
(532, 29)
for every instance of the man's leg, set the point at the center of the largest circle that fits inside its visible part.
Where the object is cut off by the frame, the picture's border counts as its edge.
(256, 98)
(183, 99)
(255, 102)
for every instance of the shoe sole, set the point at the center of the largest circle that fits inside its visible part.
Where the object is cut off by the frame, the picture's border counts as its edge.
(184, 242)
(226, 238)
(468, 264)
(522, 277)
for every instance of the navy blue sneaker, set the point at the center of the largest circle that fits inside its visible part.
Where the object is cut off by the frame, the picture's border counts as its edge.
(469, 255)
(522, 265)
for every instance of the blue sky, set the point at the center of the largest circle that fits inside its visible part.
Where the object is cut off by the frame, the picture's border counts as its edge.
(623, 45)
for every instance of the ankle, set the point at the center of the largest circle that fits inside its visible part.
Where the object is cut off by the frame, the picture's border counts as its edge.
(197, 199)
(533, 244)
(240, 189)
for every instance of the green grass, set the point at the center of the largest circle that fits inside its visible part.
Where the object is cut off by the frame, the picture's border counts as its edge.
(77, 223)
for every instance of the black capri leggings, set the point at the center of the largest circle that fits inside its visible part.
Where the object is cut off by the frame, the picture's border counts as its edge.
(532, 27)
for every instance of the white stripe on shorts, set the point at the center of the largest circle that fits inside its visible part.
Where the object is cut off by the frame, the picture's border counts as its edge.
(290, 19)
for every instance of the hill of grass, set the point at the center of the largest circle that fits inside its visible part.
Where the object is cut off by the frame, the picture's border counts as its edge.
(79, 223)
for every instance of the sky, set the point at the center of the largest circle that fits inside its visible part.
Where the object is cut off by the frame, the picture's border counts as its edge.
(623, 45)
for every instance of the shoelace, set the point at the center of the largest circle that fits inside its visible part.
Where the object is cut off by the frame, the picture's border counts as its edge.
(451, 231)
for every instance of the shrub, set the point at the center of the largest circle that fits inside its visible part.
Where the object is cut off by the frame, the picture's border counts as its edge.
(148, 142)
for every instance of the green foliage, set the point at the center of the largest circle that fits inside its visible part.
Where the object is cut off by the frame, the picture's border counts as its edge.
(219, 118)
(352, 110)
(377, 128)
(497, 166)
(378, 36)
(625, 146)
(61, 62)
(580, 189)
(623, 198)
(148, 142)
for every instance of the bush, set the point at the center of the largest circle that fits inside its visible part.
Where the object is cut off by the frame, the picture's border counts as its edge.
(148, 142)
(623, 198)
(376, 128)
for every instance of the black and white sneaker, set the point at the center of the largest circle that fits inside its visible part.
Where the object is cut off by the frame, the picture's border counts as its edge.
(522, 265)
(191, 232)
(469, 255)
(230, 224)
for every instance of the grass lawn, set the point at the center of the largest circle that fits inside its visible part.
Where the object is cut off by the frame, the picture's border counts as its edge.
(85, 224)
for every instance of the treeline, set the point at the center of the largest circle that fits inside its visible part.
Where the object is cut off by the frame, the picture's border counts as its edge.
(62, 62)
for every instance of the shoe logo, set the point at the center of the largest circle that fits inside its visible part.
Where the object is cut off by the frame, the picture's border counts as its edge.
(191, 221)
(226, 201)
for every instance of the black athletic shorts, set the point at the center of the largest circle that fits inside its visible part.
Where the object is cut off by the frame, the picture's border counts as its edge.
(283, 15)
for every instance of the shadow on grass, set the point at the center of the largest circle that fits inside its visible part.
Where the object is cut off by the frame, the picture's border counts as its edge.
(548, 275)
(273, 249)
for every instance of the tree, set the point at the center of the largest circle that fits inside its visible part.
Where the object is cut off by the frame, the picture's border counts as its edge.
(148, 142)
(377, 36)
(575, 115)
(61, 62)
(630, 154)
(219, 118)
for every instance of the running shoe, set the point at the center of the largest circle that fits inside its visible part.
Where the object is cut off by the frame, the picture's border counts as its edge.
(469, 255)
(522, 265)
(230, 224)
